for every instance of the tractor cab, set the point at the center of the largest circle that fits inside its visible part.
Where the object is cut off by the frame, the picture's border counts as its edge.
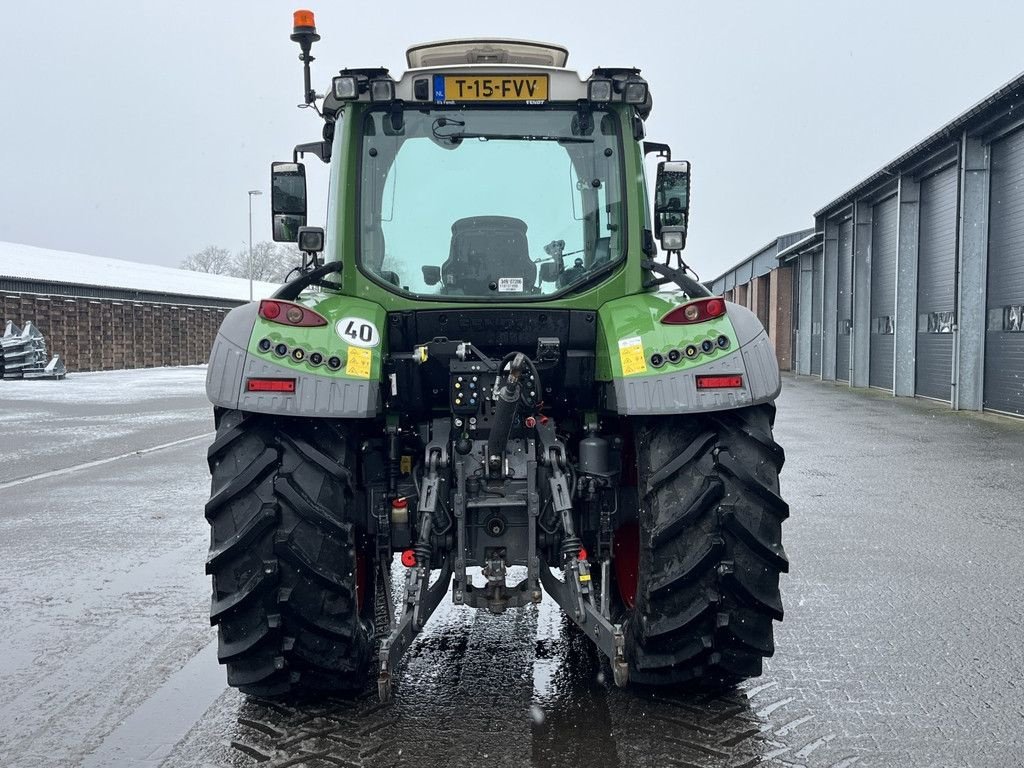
(487, 172)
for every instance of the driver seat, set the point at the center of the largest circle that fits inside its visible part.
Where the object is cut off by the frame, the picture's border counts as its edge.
(485, 249)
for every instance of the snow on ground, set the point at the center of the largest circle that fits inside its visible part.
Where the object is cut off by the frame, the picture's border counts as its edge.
(32, 263)
(130, 386)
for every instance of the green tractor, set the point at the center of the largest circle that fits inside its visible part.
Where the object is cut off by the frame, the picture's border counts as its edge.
(484, 366)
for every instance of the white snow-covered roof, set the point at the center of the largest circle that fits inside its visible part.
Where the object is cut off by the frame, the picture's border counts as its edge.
(31, 263)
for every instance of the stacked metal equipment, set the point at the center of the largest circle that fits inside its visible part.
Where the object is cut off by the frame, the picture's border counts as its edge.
(23, 354)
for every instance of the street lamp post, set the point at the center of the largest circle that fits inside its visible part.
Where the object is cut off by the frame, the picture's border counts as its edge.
(251, 193)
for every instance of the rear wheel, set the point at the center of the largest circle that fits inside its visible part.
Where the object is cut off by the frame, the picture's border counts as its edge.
(710, 548)
(292, 572)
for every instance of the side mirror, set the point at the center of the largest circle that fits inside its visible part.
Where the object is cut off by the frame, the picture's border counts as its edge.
(672, 204)
(431, 274)
(549, 271)
(287, 200)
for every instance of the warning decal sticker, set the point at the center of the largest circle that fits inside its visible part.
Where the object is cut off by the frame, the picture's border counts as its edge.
(359, 361)
(631, 356)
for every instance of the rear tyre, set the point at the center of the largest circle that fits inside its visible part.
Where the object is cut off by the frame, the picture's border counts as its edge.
(710, 539)
(292, 571)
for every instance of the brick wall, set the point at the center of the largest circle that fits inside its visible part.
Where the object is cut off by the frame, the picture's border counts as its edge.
(107, 334)
(740, 293)
(761, 303)
(780, 310)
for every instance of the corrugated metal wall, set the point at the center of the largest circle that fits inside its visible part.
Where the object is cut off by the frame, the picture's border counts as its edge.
(1004, 338)
(936, 284)
(844, 305)
(939, 288)
(883, 293)
(816, 293)
(765, 261)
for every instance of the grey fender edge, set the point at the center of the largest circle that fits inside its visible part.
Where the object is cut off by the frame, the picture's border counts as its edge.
(315, 396)
(676, 392)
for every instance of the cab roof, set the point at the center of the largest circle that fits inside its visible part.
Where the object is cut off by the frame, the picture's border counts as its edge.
(486, 51)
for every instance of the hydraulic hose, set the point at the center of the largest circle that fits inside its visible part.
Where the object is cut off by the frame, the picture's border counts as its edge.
(504, 414)
(291, 290)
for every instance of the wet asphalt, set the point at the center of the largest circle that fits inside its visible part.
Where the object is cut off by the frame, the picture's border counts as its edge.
(902, 643)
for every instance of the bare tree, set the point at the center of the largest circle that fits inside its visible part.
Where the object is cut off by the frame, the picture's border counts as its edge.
(270, 262)
(212, 259)
(289, 258)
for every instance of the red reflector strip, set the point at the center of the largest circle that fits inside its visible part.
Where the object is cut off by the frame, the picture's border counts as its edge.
(719, 382)
(270, 385)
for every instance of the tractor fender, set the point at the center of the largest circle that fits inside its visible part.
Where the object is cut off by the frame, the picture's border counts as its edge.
(633, 340)
(351, 390)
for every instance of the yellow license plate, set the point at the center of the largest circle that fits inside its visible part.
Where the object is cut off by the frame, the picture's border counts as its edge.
(523, 88)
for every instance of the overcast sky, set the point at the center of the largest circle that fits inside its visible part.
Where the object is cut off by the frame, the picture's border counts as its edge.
(134, 129)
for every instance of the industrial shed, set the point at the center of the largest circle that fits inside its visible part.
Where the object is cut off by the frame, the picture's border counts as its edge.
(912, 281)
(768, 291)
(102, 314)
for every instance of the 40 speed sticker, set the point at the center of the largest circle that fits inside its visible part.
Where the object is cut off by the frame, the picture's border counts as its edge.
(358, 332)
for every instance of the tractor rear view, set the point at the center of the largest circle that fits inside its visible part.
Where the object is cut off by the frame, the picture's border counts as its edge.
(485, 368)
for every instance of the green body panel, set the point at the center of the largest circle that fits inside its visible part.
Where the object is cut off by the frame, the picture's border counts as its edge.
(342, 226)
(325, 339)
(625, 310)
(638, 317)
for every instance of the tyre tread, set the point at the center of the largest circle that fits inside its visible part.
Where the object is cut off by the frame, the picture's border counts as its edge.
(283, 563)
(711, 548)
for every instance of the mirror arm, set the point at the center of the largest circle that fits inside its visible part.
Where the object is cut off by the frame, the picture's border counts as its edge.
(662, 150)
(291, 290)
(321, 149)
(669, 274)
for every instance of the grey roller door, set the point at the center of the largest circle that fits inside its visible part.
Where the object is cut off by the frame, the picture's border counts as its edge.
(844, 304)
(816, 314)
(936, 285)
(883, 293)
(1004, 339)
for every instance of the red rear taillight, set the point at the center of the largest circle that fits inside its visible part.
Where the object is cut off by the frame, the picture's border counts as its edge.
(719, 382)
(697, 311)
(270, 385)
(287, 313)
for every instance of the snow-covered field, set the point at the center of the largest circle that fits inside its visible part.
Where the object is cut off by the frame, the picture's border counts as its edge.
(53, 425)
(129, 386)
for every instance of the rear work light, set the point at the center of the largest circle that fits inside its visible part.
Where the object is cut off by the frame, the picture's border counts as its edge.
(346, 87)
(382, 90)
(270, 385)
(599, 89)
(733, 381)
(698, 311)
(287, 313)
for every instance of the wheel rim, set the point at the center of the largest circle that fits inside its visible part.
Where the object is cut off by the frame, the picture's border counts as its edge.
(627, 561)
